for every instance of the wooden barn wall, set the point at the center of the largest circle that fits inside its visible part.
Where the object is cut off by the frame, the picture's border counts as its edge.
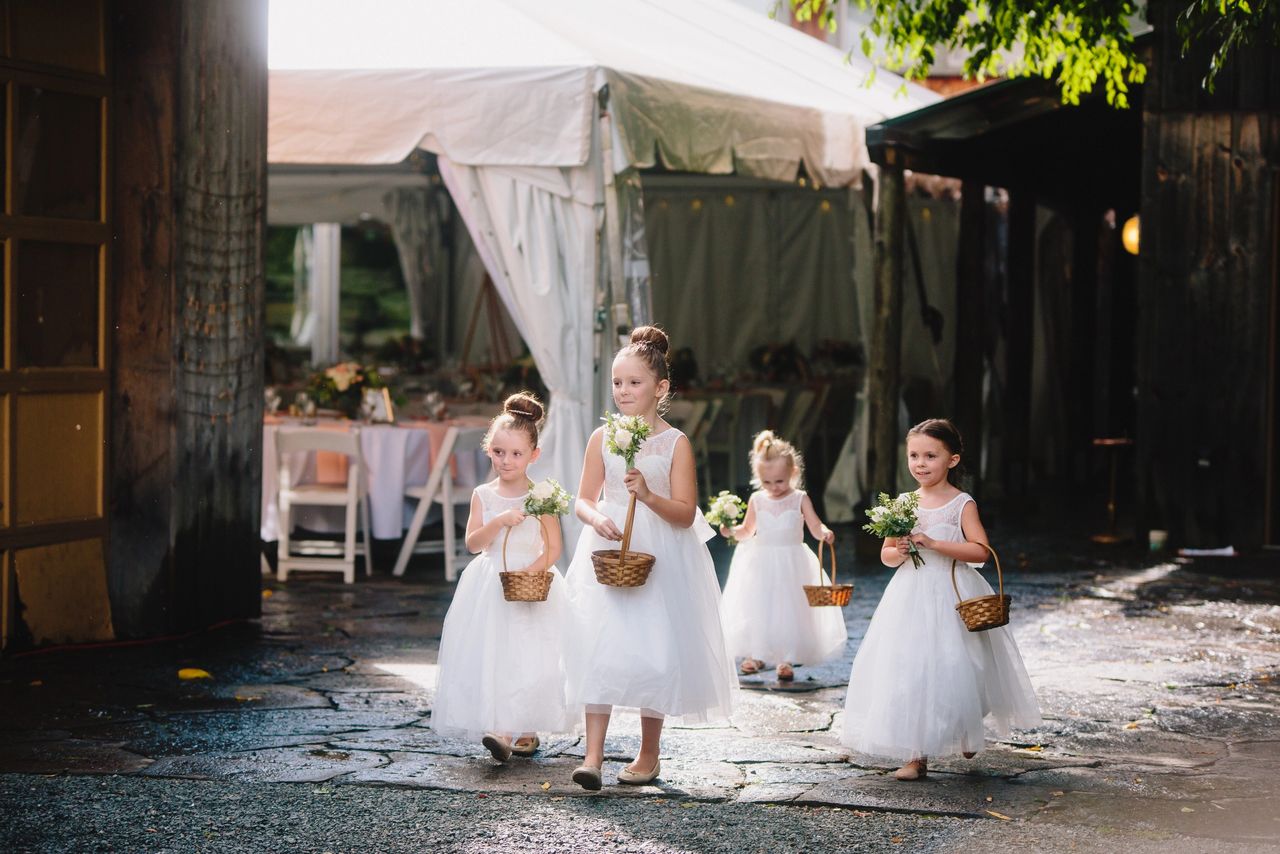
(1205, 295)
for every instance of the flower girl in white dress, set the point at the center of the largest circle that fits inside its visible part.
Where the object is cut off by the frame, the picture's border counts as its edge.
(765, 611)
(922, 684)
(659, 647)
(500, 662)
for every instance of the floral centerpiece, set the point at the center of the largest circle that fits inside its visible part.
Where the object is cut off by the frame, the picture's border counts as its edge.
(547, 498)
(896, 517)
(624, 434)
(725, 509)
(342, 386)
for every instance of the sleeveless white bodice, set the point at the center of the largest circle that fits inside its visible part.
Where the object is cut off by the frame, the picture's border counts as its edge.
(653, 461)
(778, 520)
(525, 542)
(943, 523)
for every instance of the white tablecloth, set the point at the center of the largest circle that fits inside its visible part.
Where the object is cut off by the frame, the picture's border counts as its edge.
(396, 457)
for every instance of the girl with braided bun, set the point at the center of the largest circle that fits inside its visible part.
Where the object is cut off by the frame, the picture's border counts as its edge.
(659, 647)
(500, 662)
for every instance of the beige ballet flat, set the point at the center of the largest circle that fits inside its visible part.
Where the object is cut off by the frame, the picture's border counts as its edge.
(588, 777)
(525, 746)
(497, 745)
(916, 769)
(635, 778)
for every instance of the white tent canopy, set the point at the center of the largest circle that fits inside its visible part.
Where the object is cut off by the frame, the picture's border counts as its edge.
(707, 86)
(534, 106)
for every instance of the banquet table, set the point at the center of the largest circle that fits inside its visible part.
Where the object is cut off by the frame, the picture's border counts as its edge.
(395, 456)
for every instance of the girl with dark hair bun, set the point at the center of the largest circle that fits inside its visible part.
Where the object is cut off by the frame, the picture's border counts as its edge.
(501, 675)
(658, 648)
(922, 684)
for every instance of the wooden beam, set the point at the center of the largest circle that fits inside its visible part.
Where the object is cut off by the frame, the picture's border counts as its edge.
(884, 380)
(970, 316)
(1087, 236)
(1019, 319)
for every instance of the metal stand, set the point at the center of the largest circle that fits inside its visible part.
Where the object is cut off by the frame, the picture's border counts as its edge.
(1114, 446)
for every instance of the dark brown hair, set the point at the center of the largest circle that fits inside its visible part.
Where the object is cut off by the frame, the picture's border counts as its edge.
(521, 411)
(946, 433)
(650, 345)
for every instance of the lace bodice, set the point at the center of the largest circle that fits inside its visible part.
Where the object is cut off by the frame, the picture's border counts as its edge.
(778, 520)
(943, 523)
(525, 542)
(653, 461)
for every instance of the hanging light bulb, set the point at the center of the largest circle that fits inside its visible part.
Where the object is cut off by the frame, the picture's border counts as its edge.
(1130, 233)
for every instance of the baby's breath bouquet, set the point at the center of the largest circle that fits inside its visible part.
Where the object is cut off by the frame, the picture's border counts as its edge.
(547, 498)
(896, 517)
(725, 509)
(624, 434)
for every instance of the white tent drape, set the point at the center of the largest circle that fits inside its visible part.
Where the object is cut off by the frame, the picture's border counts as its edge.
(408, 211)
(536, 231)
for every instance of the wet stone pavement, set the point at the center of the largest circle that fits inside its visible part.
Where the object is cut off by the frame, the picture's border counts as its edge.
(1159, 683)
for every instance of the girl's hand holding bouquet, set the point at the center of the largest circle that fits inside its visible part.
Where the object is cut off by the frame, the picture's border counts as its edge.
(896, 517)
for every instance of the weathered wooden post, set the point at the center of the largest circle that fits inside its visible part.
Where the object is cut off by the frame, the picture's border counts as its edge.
(1019, 330)
(189, 195)
(884, 388)
(970, 315)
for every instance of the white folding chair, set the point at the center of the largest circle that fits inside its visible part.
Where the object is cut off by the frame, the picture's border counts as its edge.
(322, 555)
(442, 489)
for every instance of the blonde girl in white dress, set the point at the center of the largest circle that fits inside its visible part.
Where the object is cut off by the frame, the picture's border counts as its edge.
(766, 614)
(922, 685)
(657, 648)
(500, 662)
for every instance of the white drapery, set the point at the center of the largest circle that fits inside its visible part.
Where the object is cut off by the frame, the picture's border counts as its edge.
(317, 264)
(536, 231)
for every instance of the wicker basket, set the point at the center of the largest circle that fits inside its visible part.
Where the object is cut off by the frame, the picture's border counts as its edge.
(526, 586)
(620, 567)
(983, 612)
(821, 595)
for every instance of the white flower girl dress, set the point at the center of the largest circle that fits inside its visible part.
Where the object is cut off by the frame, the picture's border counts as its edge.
(658, 647)
(766, 613)
(922, 684)
(501, 662)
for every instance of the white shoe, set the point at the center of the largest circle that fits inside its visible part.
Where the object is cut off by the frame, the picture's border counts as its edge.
(635, 778)
(497, 745)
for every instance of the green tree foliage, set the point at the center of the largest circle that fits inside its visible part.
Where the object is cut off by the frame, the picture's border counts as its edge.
(1223, 26)
(1076, 42)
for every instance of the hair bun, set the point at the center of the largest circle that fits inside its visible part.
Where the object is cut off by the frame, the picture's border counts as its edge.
(524, 404)
(650, 336)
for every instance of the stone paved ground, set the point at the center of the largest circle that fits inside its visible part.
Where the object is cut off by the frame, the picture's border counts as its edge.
(1159, 683)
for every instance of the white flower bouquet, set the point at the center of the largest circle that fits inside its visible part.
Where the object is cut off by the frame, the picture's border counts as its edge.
(624, 434)
(725, 509)
(896, 517)
(547, 498)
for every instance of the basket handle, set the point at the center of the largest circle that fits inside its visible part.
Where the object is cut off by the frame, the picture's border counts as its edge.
(546, 546)
(999, 573)
(626, 532)
(832, 550)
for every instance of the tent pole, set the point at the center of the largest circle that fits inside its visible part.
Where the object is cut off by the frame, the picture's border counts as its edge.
(612, 221)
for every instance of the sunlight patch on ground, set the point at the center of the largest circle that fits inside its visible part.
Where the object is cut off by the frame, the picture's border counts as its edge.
(422, 675)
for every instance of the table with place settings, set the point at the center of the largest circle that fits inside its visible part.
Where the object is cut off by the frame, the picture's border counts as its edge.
(396, 456)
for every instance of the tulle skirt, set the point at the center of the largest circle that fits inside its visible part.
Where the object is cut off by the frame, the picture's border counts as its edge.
(766, 614)
(922, 684)
(501, 662)
(659, 646)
